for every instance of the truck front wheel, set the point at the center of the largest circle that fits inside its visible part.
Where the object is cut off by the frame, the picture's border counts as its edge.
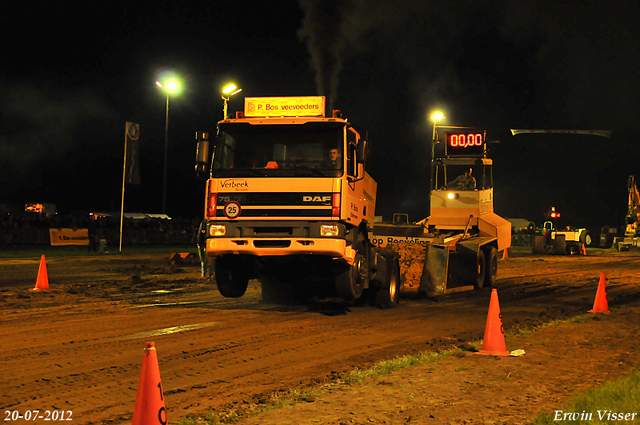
(232, 277)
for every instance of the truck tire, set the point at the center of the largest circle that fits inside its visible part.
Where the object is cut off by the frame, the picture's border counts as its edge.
(491, 271)
(348, 280)
(231, 277)
(480, 270)
(388, 295)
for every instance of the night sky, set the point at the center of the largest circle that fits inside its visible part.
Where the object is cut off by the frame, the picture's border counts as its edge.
(70, 77)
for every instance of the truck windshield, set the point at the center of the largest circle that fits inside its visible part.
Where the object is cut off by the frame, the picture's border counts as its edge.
(311, 150)
(459, 177)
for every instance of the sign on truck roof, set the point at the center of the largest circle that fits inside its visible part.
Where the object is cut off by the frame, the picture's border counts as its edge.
(301, 106)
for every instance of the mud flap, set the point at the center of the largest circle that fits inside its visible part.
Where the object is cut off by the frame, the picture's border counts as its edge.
(436, 270)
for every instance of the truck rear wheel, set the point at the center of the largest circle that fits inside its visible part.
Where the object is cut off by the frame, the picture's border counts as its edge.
(232, 277)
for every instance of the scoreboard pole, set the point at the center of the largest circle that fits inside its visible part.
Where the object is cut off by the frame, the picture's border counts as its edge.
(434, 140)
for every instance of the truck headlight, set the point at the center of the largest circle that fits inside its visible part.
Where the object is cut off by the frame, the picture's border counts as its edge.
(329, 230)
(217, 230)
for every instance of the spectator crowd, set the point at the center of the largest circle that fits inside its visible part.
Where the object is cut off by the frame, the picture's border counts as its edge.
(33, 229)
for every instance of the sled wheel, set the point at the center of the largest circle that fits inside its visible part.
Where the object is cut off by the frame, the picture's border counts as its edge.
(491, 271)
(480, 270)
(388, 296)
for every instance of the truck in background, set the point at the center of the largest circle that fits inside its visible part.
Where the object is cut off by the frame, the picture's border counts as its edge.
(289, 201)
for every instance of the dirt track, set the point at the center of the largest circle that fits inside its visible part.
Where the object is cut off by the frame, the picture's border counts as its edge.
(79, 347)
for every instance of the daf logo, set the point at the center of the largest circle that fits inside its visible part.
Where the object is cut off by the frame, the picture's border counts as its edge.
(308, 198)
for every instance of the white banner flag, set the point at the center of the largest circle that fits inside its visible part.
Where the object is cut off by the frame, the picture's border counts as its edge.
(603, 133)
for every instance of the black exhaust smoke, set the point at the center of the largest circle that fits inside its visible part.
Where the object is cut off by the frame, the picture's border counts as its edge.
(323, 28)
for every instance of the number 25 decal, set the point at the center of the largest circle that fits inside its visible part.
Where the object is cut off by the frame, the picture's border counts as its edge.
(232, 209)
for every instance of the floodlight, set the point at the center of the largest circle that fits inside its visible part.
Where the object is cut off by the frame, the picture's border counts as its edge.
(437, 116)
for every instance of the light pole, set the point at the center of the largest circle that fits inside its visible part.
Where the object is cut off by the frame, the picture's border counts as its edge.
(227, 92)
(435, 117)
(169, 87)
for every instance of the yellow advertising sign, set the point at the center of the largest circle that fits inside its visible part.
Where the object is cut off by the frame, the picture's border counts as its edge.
(302, 106)
(63, 237)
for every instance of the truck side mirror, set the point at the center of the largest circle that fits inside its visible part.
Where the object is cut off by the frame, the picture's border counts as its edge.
(361, 151)
(356, 148)
(202, 154)
(355, 165)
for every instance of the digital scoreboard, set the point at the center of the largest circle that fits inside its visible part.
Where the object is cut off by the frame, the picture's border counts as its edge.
(465, 143)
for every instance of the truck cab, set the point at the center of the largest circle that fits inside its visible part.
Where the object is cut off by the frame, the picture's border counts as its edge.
(456, 205)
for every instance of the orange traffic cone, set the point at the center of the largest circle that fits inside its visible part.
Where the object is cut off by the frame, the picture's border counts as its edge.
(600, 305)
(584, 250)
(149, 408)
(505, 254)
(493, 343)
(42, 282)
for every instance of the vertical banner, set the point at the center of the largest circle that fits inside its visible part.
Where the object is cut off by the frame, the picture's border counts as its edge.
(132, 155)
(130, 165)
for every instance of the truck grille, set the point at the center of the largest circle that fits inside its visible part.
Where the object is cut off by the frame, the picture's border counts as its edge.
(266, 243)
(276, 198)
(274, 213)
(318, 204)
(273, 231)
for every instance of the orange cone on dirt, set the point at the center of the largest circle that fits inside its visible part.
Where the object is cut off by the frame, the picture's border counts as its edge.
(42, 282)
(149, 408)
(600, 304)
(584, 250)
(493, 343)
(505, 254)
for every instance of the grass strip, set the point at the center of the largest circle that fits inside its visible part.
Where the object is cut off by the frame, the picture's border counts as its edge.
(613, 401)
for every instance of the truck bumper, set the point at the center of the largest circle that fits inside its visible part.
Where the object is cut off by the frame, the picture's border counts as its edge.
(336, 248)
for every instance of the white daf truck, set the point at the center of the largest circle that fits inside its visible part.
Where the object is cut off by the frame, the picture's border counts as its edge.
(288, 201)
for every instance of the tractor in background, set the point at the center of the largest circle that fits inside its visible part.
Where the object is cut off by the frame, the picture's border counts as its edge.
(554, 241)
